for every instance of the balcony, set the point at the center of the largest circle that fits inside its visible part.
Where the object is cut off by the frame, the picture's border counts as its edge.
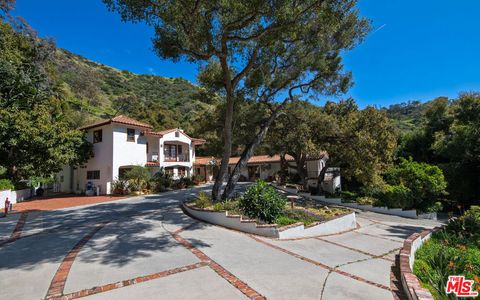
(178, 158)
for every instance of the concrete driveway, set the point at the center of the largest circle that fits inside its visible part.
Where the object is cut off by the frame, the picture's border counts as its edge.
(147, 248)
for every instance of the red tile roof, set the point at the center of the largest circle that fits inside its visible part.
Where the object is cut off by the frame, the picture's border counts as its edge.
(258, 159)
(201, 160)
(166, 131)
(120, 120)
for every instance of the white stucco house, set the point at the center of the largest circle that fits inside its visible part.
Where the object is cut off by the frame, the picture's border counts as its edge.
(120, 143)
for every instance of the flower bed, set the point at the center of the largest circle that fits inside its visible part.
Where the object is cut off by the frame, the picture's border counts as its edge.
(454, 250)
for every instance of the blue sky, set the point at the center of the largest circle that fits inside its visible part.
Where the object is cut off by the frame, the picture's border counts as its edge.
(418, 50)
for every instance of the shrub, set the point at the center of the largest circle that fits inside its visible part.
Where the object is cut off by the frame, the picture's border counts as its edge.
(348, 195)
(396, 196)
(467, 227)
(203, 200)
(186, 181)
(437, 206)
(366, 200)
(262, 201)
(197, 179)
(425, 182)
(161, 181)
(119, 186)
(6, 184)
(138, 178)
(228, 205)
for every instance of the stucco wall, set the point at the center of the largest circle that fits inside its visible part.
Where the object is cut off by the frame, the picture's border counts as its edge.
(101, 161)
(126, 153)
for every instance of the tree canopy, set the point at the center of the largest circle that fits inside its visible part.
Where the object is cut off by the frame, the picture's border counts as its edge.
(36, 137)
(254, 49)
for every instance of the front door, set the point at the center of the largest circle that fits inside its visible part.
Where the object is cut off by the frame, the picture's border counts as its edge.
(253, 173)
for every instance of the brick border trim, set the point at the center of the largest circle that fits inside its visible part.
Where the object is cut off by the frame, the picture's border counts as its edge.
(17, 231)
(232, 279)
(128, 282)
(55, 291)
(411, 284)
(319, 264)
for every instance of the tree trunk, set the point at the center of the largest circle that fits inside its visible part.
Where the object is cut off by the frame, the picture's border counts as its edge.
(227, 150)
(301, 170)
(227, 131)
(246, 154)
(283, 169)
(321, 176)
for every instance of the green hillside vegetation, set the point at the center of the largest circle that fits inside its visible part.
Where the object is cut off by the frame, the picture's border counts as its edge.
(406, 116)
(96, 91)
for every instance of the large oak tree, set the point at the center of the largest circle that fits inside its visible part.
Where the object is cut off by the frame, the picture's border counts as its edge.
(266, 51)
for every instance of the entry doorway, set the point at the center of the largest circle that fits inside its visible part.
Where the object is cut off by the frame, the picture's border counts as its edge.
(253, 173)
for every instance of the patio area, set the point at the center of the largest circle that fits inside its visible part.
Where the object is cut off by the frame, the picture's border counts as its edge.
(58, 202)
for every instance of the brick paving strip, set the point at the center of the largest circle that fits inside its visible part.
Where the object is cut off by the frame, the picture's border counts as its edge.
(17, 231)
(128, 282)
(232, 279)
(319, 264)
(55, 291)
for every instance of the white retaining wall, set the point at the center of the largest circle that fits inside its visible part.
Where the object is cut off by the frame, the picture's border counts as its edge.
(337, 225)
(15, 196)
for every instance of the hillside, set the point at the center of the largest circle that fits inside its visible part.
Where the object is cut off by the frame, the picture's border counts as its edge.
(97, 91)
(407, 115)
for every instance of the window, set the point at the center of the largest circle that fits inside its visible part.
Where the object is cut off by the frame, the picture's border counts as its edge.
(170, 152)
(198, 171)
(177, 134)
(182, 172)
(92, 175)
(97, 136)
(130, 135)
(147, 148)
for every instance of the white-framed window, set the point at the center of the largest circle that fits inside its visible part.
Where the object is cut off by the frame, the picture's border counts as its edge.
(130, 135)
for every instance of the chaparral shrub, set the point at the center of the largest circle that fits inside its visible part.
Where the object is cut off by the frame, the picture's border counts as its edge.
(262, 201)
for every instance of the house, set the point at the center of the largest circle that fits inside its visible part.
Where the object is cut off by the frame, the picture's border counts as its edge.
(120, 143)
(266, 167)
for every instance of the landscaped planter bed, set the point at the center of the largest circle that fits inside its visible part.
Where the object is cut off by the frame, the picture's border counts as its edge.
(334, 225)
(413, 214)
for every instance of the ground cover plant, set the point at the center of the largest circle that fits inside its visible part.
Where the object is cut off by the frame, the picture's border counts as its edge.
(455, 250)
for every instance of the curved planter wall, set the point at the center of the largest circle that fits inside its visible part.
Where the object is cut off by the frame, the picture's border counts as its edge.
(383, 210)
(298, 230)
(411, 284)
